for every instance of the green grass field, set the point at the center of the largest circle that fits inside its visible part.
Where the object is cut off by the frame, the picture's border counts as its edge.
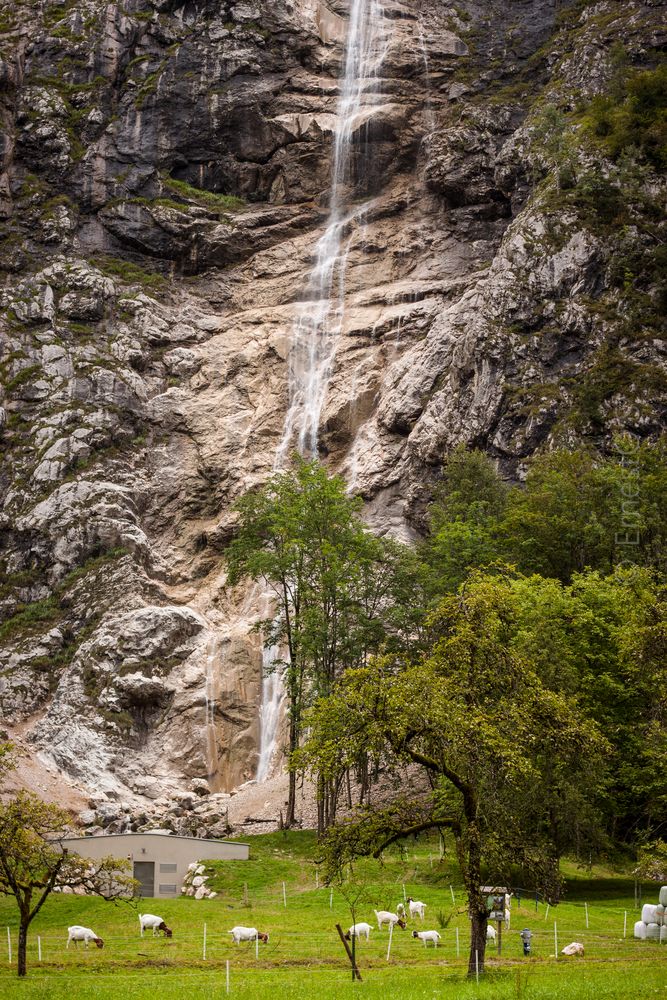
(304, 957)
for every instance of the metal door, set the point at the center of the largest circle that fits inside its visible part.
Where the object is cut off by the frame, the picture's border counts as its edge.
(144, 872)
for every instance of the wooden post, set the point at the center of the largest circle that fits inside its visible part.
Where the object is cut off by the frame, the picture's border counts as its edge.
(391, 931)
(457, 943)
(245, 893)
(317, 880)
(499, 935)
(355, 971)
(331, 900)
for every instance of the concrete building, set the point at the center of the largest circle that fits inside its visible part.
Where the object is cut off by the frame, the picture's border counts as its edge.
(159, 860)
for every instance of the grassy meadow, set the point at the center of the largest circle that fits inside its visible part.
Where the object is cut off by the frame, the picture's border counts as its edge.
(304, 957)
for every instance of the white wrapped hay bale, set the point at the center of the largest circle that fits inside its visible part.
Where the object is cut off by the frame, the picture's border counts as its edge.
(663, 895)
(653, 932)
(640, 930)
(649, 914)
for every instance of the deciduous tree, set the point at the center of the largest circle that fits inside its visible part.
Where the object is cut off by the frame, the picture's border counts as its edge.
(34, 863)
(475, 716)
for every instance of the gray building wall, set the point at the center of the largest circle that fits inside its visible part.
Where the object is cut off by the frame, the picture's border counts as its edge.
(169, 856)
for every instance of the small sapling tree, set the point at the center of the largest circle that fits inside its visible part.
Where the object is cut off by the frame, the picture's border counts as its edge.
(34, 863)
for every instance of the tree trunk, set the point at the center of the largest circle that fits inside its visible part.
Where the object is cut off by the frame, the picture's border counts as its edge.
(477, 941)
(291, 800)
(22, 947)
(321, 822)
(291, 796)
(476, 901)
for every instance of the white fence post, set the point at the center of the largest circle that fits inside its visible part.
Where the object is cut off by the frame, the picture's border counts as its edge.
(9, 945)
(39, 948)
(547, 913)
(391, 931)
(451, 889)
(625, 923)
(284, 895)
(405, 899)
(204, 949)
(331, 900)
(257, 947)
(556, 938)
(457, 942)
(227, 977)
(477, 966)
(586, 907)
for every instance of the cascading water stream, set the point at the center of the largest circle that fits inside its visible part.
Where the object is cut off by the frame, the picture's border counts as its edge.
(320, 317)
(270, 711)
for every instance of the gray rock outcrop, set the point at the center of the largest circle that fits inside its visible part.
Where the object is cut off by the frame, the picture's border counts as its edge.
(164, 170)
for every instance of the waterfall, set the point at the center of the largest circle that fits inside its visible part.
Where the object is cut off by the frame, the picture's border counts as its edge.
(269, 713)
(320, 317)
(319, 321)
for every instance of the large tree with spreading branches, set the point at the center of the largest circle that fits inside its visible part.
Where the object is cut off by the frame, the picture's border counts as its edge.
(493, 742)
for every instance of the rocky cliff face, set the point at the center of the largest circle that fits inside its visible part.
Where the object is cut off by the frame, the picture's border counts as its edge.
(164, 174)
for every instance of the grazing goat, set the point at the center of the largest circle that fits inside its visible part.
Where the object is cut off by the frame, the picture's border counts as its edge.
(247, 934)
(148, 921)
(78, 933)
(385, 917)
(576, 948)
(427, 936)
(416, 907)
(400, 909)
(490, 933)
(356, 930)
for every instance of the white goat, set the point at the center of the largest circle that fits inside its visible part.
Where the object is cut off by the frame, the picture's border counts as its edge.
(400, 909)
(357, 930)
(385, 917)
(148, 921)
(427, 936)
(508, 909)
(78, 933)
(416, 907)
(247, 934)
(490, 933)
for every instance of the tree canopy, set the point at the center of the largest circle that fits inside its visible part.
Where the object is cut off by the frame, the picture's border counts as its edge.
(494, 742)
